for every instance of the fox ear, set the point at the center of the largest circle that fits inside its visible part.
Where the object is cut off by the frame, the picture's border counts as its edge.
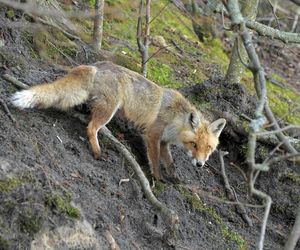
(194, 120)
(217, 126)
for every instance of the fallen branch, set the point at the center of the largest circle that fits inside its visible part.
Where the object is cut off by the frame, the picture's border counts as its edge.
(15, 81)
(217, 199)
(263, 30)
(111, 240)
(7, 111)
(170, 217)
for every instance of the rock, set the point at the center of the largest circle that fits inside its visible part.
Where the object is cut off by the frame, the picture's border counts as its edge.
(75, 235)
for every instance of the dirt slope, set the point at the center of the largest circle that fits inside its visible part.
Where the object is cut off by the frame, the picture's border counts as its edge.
(50, 183)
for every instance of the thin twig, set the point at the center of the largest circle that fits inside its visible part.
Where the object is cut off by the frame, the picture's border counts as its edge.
(230, 191)
(7, 111)
(217, 199)
(281, 158)
(239, 169)
(15, 81)
(278, 130)
(160, 11)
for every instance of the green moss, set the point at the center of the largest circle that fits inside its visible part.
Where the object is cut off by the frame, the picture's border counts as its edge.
(216, 54)
(162, 74)
(10, 14)
(30, 223)
(198, 206)
(12, 60)
(283, 101)
(11, 183)
(4, 244)
(63, 204)
(159, 188)
(279, 208)
(279, 78)
(28, 40)
(172, 25)
(291, 176)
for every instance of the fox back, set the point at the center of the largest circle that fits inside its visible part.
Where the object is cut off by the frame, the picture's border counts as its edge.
(164, 114)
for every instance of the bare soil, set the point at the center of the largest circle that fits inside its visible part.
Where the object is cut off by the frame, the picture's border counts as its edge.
(52, 146)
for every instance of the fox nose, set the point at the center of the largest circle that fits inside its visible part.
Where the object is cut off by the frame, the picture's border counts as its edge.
(200, 163)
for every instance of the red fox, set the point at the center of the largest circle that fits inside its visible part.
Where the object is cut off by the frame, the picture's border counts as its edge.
(165, 116)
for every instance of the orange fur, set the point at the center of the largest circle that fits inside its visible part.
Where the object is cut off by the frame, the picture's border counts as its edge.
(164, 114)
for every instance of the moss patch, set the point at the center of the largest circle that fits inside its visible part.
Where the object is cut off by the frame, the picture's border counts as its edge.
(165, 68)
(30, 222)
(4, 244)
(215, 54)
(198, 206)
(11, 183)
(283, 102)
(290, 176)
(159, 188)
(63, 204)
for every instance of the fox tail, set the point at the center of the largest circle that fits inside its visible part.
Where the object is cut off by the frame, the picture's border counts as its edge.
(71, 90)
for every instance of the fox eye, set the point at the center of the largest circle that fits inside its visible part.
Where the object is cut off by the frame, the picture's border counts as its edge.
(194, 145)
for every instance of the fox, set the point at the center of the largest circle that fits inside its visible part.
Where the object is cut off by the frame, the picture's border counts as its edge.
(164, 115)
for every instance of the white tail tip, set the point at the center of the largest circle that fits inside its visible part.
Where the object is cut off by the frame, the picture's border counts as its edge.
(23, 99)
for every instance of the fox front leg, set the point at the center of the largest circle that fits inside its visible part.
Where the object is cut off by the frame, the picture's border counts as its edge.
(168, 162)
(153, 151)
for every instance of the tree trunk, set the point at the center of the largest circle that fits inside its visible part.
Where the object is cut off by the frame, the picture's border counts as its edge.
(236, 68)
(98, 24)
(143, 36)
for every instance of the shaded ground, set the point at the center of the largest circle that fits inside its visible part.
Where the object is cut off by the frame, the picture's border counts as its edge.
(46, 154)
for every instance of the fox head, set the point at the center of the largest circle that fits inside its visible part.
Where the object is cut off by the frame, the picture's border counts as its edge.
(202, 138)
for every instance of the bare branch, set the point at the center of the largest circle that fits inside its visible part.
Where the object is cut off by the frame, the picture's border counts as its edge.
(297, 2)
(295, 233)
(278, 130)
(281, 158)
(217, 199)
(263, 30)
(257, 123)
(230, 191)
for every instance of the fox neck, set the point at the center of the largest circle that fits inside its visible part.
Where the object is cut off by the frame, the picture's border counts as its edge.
(170, 134)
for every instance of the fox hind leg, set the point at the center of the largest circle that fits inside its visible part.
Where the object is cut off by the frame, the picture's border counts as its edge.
(102, 113)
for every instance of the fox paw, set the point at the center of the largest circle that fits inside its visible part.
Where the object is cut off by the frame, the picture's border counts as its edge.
(173, 179)
(97, 155)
